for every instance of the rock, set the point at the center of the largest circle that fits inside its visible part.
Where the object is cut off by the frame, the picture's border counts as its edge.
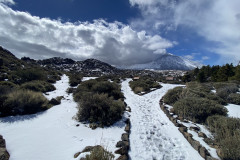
(186, 135)
(127, 128)
(4, 155)
(181, 119)
(123, 157)
(128, 109)
(195, 129)
(122, 144)
(82, 158)
(54, 101)
(182, 129)
(127, 121)
(125, 137)
(77, 125)
(210, 158)
(203, 152)
(201, 134)
(2, 143)
(76, 154)
(172, 110)
(196, 145)
(93, 125)
(122, 151)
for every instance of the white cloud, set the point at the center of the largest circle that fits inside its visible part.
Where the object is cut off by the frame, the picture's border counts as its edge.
(7, 2)
(205, 57)
(116, 43)
(217, 21)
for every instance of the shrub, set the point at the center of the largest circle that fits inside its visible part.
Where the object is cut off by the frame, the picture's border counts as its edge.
(234, 98)
(99, 108)
(227, 135)
(99, 153)
(8, 84)
(27, 75)
(143, 85)
(75, 79)
(38, 86)
(198, 93)
(198, 109)
(106, 87)
(173, 95)
(23, 102)
(223, 92)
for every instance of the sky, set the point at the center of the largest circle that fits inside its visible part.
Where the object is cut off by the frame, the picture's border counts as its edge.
(122, 32)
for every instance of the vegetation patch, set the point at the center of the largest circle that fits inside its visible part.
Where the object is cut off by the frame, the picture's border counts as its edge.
(100, 102)
(173, 95)
(20, 102)
(227, 135)
(74, 78)
(198, 109)
(38, 86)
(99, 153)
(144, 84)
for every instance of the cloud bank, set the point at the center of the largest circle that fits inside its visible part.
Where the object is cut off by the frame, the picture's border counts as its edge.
(217, 21)
(115, 43)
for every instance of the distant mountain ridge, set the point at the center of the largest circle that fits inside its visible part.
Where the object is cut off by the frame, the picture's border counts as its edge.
(167, 62)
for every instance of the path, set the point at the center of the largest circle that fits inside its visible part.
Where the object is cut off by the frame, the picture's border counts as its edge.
(153, 136)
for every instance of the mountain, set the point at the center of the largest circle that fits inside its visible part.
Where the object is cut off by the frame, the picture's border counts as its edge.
(88, 65)
(167, 62)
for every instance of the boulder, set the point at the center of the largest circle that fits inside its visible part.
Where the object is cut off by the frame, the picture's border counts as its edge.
(122, 151)
(182, 129)
(201, 134)
(127, 128)
(210, 158)
(203, 152)
(123, 157)
(196, 145)
(125, 137)
(122, 144)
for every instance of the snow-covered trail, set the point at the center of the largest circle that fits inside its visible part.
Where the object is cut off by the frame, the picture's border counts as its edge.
(153, 136)
(53, 134)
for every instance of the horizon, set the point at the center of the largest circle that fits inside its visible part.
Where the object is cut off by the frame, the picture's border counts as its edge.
(122, 32)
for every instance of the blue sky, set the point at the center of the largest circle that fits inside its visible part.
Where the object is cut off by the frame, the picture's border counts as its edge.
(122, 31)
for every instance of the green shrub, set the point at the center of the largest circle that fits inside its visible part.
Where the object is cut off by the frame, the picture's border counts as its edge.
(8, 83)
(106, 87)
(224, 92)
(99, 108)
(173, 95)
(74, 79)
(20, 102)
(143, 85)
(94, 86)
(234, 98)
(99, 153)
(198, 109)
(38, 86)
(227, 135)
(27, 75)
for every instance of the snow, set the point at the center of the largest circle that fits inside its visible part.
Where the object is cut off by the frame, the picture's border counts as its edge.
(212, 151)
(53, 134)
(153, 136)
(233, 110)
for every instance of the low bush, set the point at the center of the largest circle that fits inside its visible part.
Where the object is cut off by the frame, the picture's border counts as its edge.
(234, 98)
(227, 135)
(20, 102)
(198, 109)
(99, 108)
(38, 86)
(224, 92)
(143, 85)
(74, 79)
(94, 86)
(173, 95)
(99, 153)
